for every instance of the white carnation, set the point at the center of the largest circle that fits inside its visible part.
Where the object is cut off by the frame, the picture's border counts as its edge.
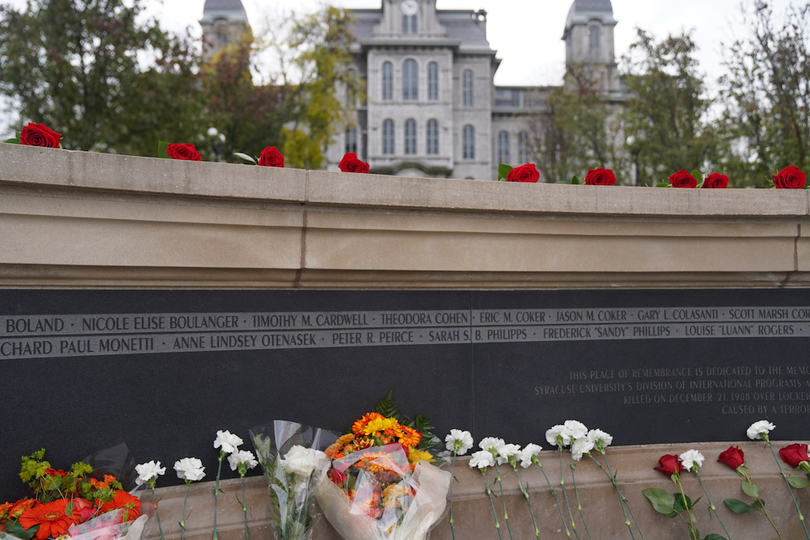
(506, 451)
(481, 459)
(581, 447)
(148, 471)
(463, 439)
(190, 469)
(242, 456)
(691, 458)
(758, 428)
(554, 432)
(600, 439)
(490, 443)
(528, 453)
(228, 441)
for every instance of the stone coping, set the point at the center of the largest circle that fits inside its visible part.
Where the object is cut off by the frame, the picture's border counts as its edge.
(48, 167)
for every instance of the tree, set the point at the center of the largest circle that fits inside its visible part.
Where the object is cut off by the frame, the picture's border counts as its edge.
(666, 117)
(579, 130)
(91, 70)
(767, 94)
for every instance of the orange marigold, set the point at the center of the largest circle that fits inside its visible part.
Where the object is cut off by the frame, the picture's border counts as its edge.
(21, 506)
(359, 425)
(410, 437)
(50, 517)
(5, 508)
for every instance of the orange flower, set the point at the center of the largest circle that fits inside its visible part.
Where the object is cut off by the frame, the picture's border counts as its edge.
(21, 506)
(359, 425)
(410, 437)
(109, 479)
(4, 510)
(131, 505)
(50, 517)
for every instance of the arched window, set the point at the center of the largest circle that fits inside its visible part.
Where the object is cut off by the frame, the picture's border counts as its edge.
(410, 136)
(410, 80)
(432, 138)
(594, 40)
(388, 81)
(503, 147)
(410, 24)
(388, 137)
(467, 86)
(523, 148)
(351, 96)
(351, 139)
(433, 81)
(468, 139)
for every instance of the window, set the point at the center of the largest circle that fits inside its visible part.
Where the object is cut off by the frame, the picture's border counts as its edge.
(433, 81)
(351, 139)
(388, 137)
(351, 96)
(410, 81)
(468, 138)
(432, 138)
(388, 81)
(594, 39)
(410, 24)
(503, 147)
(523, 147)
(410, 136)
(467, 86)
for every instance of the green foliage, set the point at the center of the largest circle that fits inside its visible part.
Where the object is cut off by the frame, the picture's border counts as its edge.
(15, 529)
(162, 150)
(421, 423)
(246, 157)
(767, 94)
(739, 507)
(387, 407)
(503, 171)
(667, 114)
(95, 72)
(662, 501)
(714, 536)
(750, 489)
(797, 482)
(33, 467)
(575, 180)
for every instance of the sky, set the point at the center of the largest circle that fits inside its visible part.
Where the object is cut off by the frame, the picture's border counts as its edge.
(526, 33)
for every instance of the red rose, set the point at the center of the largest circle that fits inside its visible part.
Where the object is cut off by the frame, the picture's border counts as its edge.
(350, 163)
(183, 151)
(524, 173)
(789, 178)
(716, 181)
(40, 135)
(682, 179)
(271, 157)
(670, 464)
(794, 454)
(733, 457)
(600, 177)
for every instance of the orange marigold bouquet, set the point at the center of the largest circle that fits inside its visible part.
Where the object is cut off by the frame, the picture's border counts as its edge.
(71, 504)
(383, 485)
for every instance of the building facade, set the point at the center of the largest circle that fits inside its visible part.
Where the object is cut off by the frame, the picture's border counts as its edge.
(431, 106)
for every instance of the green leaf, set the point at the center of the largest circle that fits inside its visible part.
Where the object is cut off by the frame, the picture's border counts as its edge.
(246, 157)
(750, 489)
(681, 505)
(662, 501)
(503, 171)
(696, 173)
(739, 507)
(13, 141)
(15, 529)
(797, 482)
(387, 407)
(664, 184)
(163, 146)
(575, 180)
(714, 536)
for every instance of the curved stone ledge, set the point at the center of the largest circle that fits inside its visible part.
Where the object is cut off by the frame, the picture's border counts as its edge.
(77, 219)
(473, 515)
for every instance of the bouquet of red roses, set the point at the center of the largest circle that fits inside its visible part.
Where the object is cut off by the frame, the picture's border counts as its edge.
(382, 483)
(73, 503)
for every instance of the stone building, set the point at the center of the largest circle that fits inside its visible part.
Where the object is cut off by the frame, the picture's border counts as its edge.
(432, 107)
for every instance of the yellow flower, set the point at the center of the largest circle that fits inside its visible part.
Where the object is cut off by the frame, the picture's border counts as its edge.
(415, 456)
(378, 425)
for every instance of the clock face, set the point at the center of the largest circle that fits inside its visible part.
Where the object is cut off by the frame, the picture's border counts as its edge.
(410, 7)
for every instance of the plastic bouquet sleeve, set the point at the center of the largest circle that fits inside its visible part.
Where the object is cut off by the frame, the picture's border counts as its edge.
(109, 527)
(429, 486)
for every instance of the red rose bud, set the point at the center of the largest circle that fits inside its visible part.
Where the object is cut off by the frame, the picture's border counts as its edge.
(40, 135)
(600, 177)
(350, 163)
(733, 457)
(185, 152)
(682, 179)
(794, 454)
(670, 464)
(524, 173)
(716, 181)
(270, 157)
(789, 178)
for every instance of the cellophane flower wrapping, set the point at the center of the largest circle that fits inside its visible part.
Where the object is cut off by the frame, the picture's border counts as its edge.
(377, 494)
(109, 526)
(295, 466)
